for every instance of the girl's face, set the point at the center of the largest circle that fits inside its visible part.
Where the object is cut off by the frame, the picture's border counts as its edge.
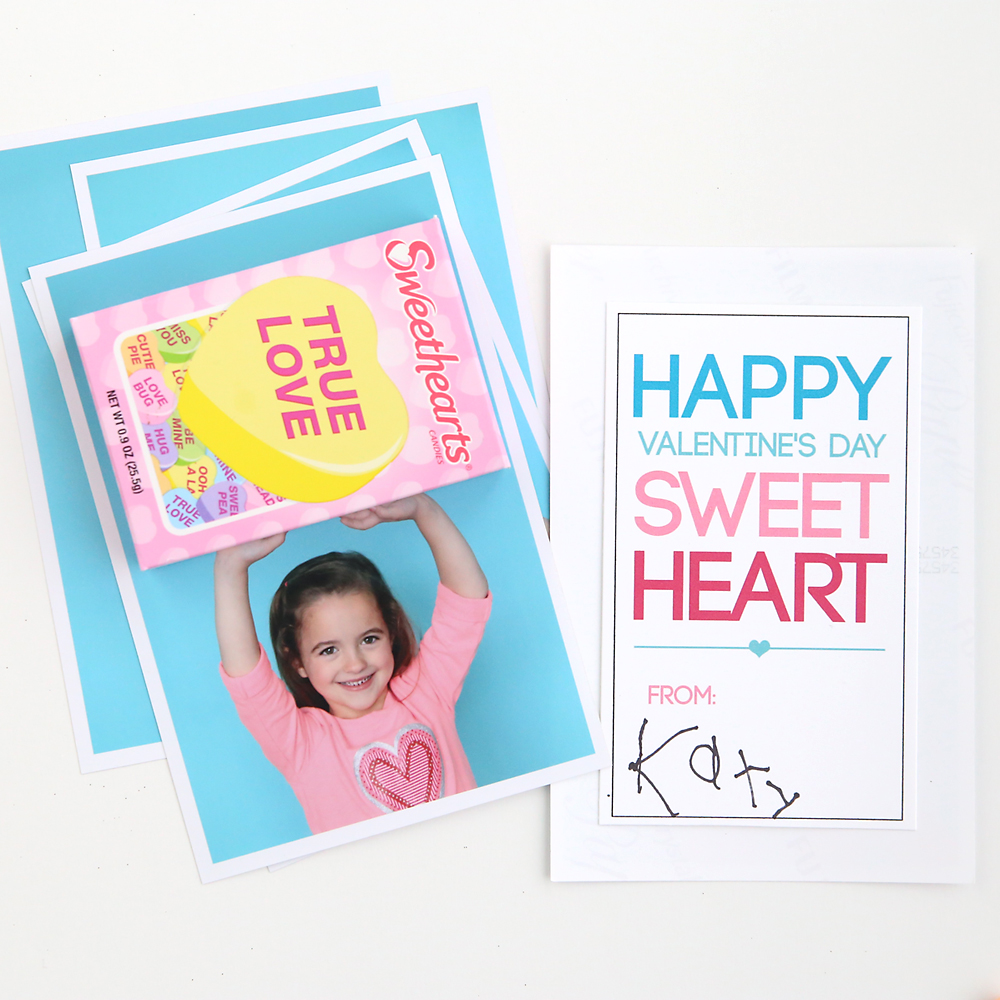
(346, 652)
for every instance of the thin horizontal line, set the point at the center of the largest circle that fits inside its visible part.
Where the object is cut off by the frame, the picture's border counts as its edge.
(763, 819)
(692, 647)
(787, 649)
(830, 649)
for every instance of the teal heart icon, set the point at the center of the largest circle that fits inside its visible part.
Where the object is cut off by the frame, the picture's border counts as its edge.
(759, 648)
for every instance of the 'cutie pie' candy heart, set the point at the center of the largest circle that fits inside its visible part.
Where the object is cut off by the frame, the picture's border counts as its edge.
(139, 351)
(289, 391)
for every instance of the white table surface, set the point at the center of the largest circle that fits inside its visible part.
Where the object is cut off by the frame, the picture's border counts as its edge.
(797, 123)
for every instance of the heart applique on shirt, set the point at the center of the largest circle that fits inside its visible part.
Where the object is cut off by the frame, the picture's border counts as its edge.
(402, 776)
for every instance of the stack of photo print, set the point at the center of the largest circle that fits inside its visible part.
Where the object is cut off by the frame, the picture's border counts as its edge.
(254, 345)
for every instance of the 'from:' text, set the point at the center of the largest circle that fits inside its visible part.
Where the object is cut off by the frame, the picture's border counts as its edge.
(681, 694)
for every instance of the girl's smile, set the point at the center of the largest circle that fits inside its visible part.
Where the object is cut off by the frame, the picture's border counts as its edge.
(356, 685)
(346, 653)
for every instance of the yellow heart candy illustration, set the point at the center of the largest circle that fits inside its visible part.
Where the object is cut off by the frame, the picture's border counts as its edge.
(289, 392)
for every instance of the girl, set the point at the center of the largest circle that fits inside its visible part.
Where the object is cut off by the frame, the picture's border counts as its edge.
(364, 722)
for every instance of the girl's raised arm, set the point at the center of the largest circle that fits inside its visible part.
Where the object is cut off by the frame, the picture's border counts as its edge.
(233, 619)
(457, 565)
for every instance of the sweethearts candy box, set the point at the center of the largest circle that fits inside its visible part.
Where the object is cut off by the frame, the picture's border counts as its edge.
(286, 394)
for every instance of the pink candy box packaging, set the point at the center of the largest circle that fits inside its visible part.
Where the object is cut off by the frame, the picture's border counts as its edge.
(283, 395)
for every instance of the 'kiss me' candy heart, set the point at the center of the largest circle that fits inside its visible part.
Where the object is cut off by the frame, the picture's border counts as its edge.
(402, 776)
(289, 391)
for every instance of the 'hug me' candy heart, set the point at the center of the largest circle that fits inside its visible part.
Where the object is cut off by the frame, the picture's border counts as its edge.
(289, 390)
(159, 443)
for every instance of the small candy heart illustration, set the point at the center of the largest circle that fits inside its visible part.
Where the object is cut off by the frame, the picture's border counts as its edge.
(178, 341)
(159, 444)
(182, 508)
(189, 448)
(195, 477)
(226, 472)
(222, 500)
(173, 374)
(759, 648)
(402, 776)
(288, 391)
(155, 401)
(138, 352)
(164, 484)
(256, 497)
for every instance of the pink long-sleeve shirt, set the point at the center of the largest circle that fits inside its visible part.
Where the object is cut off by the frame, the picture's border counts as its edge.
(346, 770)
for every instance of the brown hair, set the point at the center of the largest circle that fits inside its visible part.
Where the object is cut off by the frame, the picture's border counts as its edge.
(333, 573)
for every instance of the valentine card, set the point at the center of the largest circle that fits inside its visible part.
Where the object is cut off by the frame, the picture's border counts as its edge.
(759, 655)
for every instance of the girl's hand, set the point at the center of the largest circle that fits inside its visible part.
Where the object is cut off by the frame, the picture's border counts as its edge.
(406, 509)
(247, 553)
(456, 564)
